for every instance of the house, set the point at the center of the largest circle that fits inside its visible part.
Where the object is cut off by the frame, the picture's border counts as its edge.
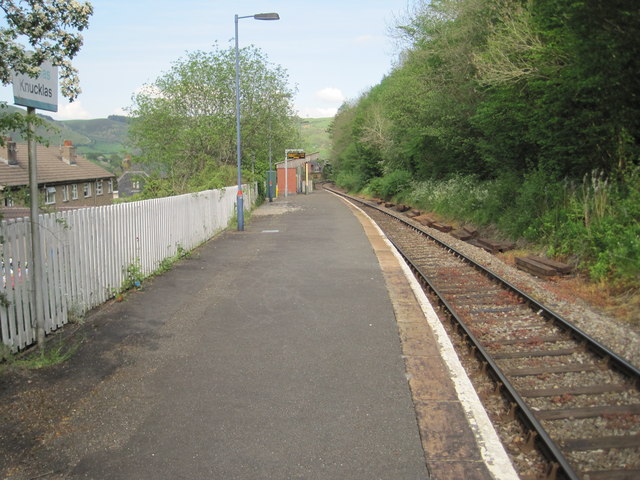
(66, 180)
(131, 182)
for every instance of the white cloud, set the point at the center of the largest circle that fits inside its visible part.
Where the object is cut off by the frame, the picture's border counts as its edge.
(71, 111)
(330, 95)
(327, 101)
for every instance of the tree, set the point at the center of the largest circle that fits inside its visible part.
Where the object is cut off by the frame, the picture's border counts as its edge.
(526, 99)
(184, 123)
(50, 28)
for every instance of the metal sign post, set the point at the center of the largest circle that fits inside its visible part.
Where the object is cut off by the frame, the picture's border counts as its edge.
(40, 92)
(36, 260)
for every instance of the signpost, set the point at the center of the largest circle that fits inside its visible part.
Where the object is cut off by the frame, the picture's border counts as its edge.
(40, 92)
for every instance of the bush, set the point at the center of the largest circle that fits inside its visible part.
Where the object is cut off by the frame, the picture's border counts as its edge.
(390, 185)
(374, 187)
(394, 183)
(213, 177)
(351, 182)
(459, 196)
(526, 202)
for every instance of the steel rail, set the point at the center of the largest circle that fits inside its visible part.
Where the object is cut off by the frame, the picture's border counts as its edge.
(547, 446)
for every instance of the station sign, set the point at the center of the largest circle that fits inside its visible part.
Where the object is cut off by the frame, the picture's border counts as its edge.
(40, 92)
(294, 155)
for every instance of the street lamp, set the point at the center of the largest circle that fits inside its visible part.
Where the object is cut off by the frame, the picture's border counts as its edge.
(240, 203)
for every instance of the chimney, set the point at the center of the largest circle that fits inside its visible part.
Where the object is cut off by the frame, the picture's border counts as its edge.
(68, 153)
(12, 152)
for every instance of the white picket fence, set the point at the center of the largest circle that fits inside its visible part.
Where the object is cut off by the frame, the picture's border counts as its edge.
(86, 252)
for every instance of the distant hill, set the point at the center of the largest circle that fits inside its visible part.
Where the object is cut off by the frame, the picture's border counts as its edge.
(100, 136)
(315, 136)
(105, 135)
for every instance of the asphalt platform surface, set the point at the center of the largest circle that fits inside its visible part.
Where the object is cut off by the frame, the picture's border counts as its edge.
(271, 353)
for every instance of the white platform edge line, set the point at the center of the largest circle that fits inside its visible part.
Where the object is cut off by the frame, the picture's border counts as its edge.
(491, 448)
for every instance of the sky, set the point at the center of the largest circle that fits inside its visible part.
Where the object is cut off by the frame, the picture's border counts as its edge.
(332, 50)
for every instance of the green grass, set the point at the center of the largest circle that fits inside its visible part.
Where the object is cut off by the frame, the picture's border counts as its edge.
(53, 353)
(315, 136)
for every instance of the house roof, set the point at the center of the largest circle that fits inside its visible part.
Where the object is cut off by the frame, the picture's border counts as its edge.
(293, 163)
(298, 162)
(132, 173)
(52, 168)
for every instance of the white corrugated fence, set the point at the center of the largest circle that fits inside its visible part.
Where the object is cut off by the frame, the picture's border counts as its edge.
(86, 253)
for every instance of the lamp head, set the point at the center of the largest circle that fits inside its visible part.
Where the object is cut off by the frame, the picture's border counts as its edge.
(266, 16)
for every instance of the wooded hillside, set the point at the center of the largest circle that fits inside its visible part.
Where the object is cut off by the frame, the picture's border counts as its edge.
(522, 114)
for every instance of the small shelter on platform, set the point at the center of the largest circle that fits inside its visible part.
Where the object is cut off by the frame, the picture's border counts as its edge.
(300, 173)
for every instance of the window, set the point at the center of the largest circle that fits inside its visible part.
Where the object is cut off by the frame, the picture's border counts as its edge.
(99, 187)
(50, 195)
(74, 191)
(86, 190)
(110, 185)
(135, 184)
(8, 202)
(65, 193)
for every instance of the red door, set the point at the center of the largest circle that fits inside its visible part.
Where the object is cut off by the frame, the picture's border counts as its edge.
(291, 181)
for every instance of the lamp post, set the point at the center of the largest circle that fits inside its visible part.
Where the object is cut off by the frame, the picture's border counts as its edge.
(269, 181)
(240, 203)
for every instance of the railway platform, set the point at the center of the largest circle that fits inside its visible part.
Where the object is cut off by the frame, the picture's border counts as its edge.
(297, 349)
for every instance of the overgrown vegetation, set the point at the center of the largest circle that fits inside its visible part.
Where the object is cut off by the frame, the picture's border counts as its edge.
(54, 352)
(133, 275)
(520, 114)
(167, 263)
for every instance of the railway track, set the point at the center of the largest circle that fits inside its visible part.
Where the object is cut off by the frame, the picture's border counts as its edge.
(577, 401)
